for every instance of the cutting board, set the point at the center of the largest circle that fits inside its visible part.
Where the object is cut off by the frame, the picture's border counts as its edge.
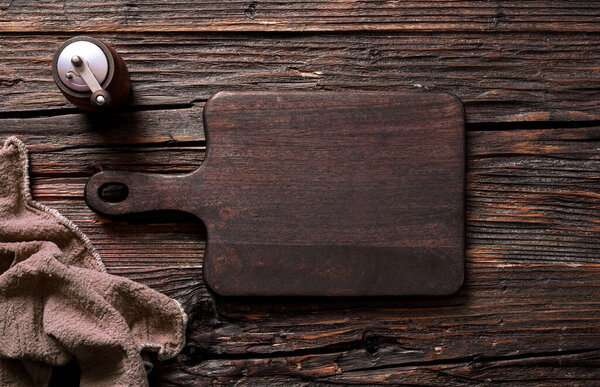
(320, 194)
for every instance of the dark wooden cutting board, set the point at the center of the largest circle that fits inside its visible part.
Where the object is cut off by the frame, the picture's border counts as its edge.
(320, 193)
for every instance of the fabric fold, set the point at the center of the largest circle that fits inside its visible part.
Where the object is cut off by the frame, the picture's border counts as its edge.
(58, 302)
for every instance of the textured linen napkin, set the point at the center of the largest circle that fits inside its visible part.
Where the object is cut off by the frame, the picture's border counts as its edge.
(57, 302)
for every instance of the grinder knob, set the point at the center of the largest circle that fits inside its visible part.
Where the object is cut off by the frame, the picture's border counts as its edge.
(90, 74)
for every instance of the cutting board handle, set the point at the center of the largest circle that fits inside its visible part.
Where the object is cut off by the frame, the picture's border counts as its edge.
(143, 192)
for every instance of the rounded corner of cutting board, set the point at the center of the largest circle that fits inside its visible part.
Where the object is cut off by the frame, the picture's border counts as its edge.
(216, 99)
(212, 280)
(451, 285)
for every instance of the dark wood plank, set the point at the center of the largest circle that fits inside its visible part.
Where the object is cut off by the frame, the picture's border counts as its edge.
(507, 77)
(528, 312)
(73, 129)
(297, 15)
(77, 145)
(551, 369)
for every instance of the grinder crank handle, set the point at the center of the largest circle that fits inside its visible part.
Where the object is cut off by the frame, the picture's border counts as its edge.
(143, 192)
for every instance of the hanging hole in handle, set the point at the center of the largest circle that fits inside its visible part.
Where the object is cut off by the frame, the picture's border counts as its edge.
(113, 192)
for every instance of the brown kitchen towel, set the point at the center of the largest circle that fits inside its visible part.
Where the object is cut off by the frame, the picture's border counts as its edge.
(57, 302)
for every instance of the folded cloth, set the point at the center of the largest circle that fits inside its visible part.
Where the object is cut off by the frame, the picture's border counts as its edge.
(57, 302)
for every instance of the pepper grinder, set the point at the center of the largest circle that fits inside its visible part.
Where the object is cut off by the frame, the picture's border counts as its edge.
(90, 74)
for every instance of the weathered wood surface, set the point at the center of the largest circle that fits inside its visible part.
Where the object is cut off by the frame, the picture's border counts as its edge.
(529, 312)
(298, 15)
(499, 77)
(529, 305)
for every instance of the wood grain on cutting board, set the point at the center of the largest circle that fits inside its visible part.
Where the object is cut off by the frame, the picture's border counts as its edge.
(376, 206)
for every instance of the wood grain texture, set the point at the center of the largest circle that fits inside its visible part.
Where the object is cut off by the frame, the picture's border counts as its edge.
(528, 313)
(297, 15)
(508, 77)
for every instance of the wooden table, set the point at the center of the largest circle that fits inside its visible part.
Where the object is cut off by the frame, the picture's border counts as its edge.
(529, 75)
